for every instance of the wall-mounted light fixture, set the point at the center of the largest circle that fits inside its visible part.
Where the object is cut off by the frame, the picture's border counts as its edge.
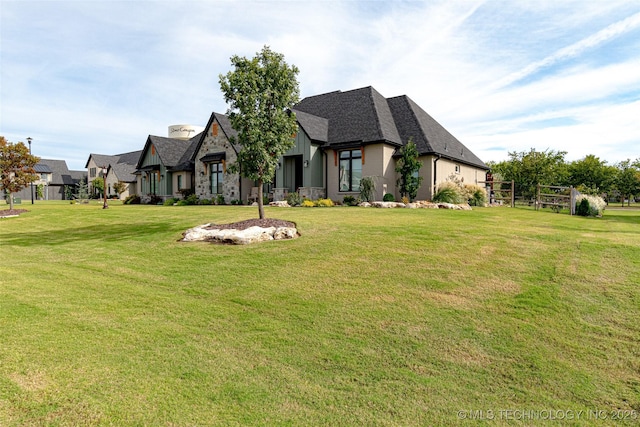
(306, 163)
(279, 165)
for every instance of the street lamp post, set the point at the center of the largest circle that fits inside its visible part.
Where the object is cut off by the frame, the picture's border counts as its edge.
(104, 187)
(29, 139)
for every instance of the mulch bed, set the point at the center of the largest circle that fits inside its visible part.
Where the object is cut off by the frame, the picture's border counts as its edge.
(243, 225)
(11, 212)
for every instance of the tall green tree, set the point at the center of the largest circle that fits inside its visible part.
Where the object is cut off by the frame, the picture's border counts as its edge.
(591, 175)
(261, 92)
(627, 180)
(408, 167)
(16, 167)
(528, 169)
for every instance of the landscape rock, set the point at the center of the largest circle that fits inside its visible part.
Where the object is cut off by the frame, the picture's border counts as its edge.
(280, 204)
(364, 205)
(387, 204)
(243, 232)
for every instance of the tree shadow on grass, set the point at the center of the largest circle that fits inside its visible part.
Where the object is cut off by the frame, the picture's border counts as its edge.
(626, 219)
(93, 233)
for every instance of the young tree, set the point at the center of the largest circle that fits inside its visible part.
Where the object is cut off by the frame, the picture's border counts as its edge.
(83, 190)
(16, 167)
(98, 186)
(119, 187)
(408, 168)
(261, 92)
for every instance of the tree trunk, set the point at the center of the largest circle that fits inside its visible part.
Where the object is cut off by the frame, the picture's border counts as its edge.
(10, 201)
(260, 199)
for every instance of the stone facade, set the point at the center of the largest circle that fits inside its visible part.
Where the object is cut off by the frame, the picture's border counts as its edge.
(217, 147)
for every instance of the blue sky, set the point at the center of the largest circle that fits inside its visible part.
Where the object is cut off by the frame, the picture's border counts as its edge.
(83, 77)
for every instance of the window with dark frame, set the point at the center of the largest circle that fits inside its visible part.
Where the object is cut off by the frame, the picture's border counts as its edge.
(217, 177)
(350, 170)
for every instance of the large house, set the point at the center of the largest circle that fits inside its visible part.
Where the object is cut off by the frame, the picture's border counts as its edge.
(118, 168)
(342, 137)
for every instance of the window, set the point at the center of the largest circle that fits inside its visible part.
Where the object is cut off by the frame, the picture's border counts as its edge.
(217, 177)
(350, 170)
(457, 168)
(92, 172)
(179, 182)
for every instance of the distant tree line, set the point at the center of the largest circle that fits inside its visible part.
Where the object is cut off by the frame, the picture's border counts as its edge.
(590, 175)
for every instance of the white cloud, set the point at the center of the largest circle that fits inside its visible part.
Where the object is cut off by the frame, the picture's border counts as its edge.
(99, 76)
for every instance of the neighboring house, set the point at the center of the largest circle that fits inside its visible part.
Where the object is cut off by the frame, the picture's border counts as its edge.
(119, 168)
(55, 179)
(212, 153)
(361, 135)
(163, 168)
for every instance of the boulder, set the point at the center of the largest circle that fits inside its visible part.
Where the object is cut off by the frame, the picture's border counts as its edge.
(239, 237)
(387, 204)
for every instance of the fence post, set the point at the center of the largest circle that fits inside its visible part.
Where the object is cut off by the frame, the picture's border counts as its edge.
(538, 197)
(572, 200)
(513, 194)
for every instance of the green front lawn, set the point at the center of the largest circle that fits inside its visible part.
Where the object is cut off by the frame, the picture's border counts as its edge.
(372, 317)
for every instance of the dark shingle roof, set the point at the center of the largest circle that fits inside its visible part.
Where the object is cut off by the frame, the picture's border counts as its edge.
(102, 159)
(130, 158)
(124, 172)
(225, 124)
(365, 116)
(429, 135)
(170, 150)
(78, 176)
(359, 115)
(59, 170)
(316, 127)
(186, 161)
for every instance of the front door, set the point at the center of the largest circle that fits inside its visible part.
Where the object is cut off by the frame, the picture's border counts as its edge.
(293, 173)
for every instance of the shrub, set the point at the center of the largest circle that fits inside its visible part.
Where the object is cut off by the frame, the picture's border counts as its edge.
(132, 200)
(171, 201)
(205, 202)
(388, 197)
(582, 207)
(220, 200)
(367, 188)
(448, 192)
(186, 192)
(236, 202)
(294, 199)
(476, 195)
(587, 205)
(191, 199)
(306, 203)
(324, 203)
(349, 201)
(405, 200)
(154, 199)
